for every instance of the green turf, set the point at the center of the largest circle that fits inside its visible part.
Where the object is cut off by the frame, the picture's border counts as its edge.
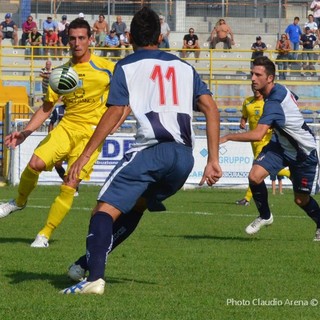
(192, 262)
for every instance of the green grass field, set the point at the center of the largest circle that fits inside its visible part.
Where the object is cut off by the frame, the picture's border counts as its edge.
(192, 262)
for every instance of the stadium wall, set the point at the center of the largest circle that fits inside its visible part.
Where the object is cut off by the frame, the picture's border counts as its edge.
(235, 159)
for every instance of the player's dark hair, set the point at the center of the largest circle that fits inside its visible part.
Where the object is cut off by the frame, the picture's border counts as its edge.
(145, 28)
(80, 24)
(267, 64)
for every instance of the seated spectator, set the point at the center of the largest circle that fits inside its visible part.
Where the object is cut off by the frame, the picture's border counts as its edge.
(125, 43)
(62, 24)
(9, 29)
(283, 47)
(312, 25)
(46, 25)
(63, 41)
(165, 31)
(112, 42)
(81, 16)
(257, 48)
(27, 27)
(35, 40)
(221, 33)
(191, 44)
(51, 41)
(308, 41)
(119, 26)
(100, 30)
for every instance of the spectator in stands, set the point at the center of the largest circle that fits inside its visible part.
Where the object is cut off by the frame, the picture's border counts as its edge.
(315, 7)
(112, 42)
(294, 32)
(62, 24)
(165, 31)
(308, 41)
(221, 33)
(312, 25)
(283, 47)
(45, 74)
(257, 48)
(119, 26)
(9, 29)
(100, 30)
(191, 44)
(125, 43)
(27, 27)
(81, 16)
(35, 40)
(51, 41)
(46, 25)
(63, 40)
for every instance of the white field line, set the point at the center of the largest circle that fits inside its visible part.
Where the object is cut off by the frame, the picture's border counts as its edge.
(200, 213)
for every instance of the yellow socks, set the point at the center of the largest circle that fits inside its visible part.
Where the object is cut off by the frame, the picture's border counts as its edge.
(28, 182)
(59, 209)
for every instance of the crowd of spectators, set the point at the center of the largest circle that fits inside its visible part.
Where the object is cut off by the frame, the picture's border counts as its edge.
(295, 42)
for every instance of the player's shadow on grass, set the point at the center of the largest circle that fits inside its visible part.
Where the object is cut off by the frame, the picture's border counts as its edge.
(21, 240)
(60, 281)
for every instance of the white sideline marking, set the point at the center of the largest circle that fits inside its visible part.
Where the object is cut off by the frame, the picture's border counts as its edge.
(200, 213)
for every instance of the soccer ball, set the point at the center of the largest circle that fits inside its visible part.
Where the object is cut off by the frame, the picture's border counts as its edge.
(63, 80)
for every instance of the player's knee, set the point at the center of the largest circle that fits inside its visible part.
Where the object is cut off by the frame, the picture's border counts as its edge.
(37, 164)
(301, 199)
(255, 178)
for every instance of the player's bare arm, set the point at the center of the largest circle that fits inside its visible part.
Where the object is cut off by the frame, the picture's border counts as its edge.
(254, 135)
(212, 172)
(38, 118)
(108, 122)
(126, 112)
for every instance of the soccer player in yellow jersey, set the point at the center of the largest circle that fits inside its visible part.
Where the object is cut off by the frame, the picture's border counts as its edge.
(84, 108)
(252, 109)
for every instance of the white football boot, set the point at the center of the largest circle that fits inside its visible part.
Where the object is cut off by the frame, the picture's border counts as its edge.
(86, 287)
(8, 207)
(258, 223)
(76, 273)
(40, 241)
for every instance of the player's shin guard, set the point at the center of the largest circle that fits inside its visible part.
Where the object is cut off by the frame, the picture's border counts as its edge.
(58, 210)
(260, 196)
(99, 243)
(28, 182)
(312, 209)
(122, 228)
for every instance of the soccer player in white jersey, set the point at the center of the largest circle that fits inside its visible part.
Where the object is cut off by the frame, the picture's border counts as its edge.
(162, 92)
(292, 145)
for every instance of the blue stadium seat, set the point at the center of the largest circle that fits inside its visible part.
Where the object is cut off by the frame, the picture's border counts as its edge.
(233, 119)
(234, 128)
(231, 110)
(126, 126)
(201, 127)
(309, 120)
(306, 111)
(200, 118)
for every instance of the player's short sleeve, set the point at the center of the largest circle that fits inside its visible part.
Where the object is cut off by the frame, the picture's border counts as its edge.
(272, 114)
(118, 93)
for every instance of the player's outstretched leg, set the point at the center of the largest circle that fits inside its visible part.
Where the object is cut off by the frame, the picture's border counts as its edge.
(99, 244)
(28, 182)
(58, 210)
(122, 228)
(260, 196)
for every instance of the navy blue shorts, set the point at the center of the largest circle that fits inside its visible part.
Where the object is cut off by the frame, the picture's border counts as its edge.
(303, 174)
(154, 173)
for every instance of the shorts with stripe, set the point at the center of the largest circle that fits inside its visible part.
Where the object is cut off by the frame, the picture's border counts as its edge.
(154, 173)
(303, 173)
